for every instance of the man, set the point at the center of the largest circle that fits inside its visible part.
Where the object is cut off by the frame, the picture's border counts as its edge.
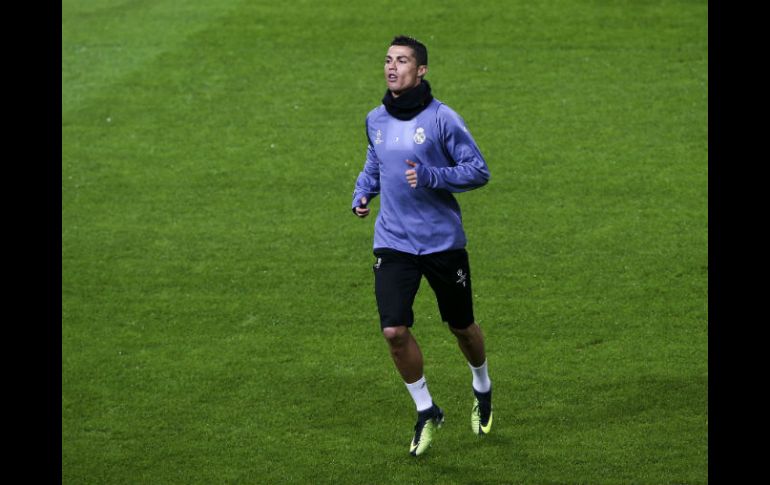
(419, 153)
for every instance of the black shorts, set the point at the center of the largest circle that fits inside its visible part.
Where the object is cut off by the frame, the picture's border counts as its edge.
(397, 278)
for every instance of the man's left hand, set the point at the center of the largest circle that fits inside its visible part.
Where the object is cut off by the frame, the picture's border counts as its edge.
(411, 174)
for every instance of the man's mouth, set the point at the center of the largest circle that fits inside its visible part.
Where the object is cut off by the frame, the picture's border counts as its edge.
(392, 77)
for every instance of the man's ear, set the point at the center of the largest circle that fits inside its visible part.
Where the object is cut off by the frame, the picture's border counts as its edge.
(421, 71)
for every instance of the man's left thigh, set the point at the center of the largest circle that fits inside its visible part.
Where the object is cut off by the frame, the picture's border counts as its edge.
(449, 274)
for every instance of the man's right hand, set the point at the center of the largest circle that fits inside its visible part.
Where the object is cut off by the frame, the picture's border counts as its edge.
(362, 210)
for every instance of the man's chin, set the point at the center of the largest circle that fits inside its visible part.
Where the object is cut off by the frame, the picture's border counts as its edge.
(398, 90)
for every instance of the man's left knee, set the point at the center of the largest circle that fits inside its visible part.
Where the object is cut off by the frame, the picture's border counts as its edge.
(466, 332)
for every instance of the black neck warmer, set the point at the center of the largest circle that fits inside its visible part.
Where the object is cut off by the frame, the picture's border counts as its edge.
(409, 103)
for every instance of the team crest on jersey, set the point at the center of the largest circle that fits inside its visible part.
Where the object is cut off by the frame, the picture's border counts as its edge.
(378, 138)
(419, 136)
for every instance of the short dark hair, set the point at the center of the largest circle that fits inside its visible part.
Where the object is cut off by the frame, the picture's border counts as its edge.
(420, 51)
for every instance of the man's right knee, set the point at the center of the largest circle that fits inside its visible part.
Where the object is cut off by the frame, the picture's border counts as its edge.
(396, 336)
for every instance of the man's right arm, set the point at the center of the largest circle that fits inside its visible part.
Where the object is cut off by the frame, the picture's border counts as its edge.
(367, 184)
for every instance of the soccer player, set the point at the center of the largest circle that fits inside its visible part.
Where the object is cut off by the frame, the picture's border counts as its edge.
(420, 152)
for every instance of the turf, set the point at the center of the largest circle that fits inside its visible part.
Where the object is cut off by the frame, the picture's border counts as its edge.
(218, 318)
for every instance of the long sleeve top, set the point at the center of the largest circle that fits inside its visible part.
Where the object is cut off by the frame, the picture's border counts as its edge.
(425, 219)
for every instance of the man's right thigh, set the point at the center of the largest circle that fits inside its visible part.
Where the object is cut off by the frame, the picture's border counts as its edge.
(396, 281)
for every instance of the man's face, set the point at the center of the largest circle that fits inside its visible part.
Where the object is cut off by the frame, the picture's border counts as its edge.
(401, 70)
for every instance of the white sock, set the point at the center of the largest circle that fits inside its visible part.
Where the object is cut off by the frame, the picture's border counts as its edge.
(481, 382)
(420, 394)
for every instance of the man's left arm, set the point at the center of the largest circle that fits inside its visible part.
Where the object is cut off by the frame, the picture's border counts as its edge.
(470, 170)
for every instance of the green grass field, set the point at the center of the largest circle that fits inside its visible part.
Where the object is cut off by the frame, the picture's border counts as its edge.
(218, 316)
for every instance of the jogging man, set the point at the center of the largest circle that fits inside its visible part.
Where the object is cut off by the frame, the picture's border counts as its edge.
(419, 153)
